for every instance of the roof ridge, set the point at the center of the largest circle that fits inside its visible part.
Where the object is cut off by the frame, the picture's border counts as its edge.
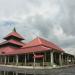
(39, 39)
(16, 34)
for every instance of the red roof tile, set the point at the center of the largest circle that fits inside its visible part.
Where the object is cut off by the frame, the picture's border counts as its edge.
(6, 50)
(35, 45)
(14, 34)
(27, 50)
(16, 42)
(12, 42)
(40, 41)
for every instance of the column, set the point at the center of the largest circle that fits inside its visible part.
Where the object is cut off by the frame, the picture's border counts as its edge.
(13, 59)
(45, 56)
(60, 59)
(16, 59)
(67, 60)
(28, 57)
(25, 59)
(8, 59)
(4, 73)
(72, 60)
(16, 73)
(52, 58)
(43, 61)
(1, 59)
(5, 60)
(34, 59)
(13, 73)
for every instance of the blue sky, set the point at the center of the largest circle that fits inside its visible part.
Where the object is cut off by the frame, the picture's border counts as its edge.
(50, 19)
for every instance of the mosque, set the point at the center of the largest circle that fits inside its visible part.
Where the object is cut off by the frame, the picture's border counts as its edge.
(38, 52)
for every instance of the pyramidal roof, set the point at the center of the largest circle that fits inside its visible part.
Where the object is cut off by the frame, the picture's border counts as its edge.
(12, 42)
(35, 42)
(14, 33)
(42, 42)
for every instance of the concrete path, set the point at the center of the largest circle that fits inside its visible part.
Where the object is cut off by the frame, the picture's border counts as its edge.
(69, 70)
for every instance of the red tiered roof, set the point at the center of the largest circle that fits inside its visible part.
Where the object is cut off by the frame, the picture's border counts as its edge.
(11, 51)
(14, 33)
(12, 42)
(36, 45)
(42, 42)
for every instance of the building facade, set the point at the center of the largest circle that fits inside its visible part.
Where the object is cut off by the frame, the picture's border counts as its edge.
(38, 52)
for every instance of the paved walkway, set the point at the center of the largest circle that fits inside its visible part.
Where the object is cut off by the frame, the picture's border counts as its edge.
(62, 71)
(69, 70)
(36, 67)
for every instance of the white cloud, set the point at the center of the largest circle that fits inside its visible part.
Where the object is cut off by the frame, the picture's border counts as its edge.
(52, 19)
(70, 50)
(22, 9)
(60, 34)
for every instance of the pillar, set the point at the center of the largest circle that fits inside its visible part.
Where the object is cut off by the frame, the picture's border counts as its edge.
(16, 73)
(45, 56)
(5, 58)
(72, 60)
(8, 59)
(1, 59)
(34, 59)
(25, 59)
(60, 59)
(43, 62)
(4, 73)
(13, 59)
(52, 58)
(13, 73)
(16, 59)
(67, 60)
(28, 57)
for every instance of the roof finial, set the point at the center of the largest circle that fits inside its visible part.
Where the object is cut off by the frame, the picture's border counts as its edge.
(14, 29)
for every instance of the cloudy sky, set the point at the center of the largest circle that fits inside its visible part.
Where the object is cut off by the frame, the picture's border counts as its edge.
(53, 20)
